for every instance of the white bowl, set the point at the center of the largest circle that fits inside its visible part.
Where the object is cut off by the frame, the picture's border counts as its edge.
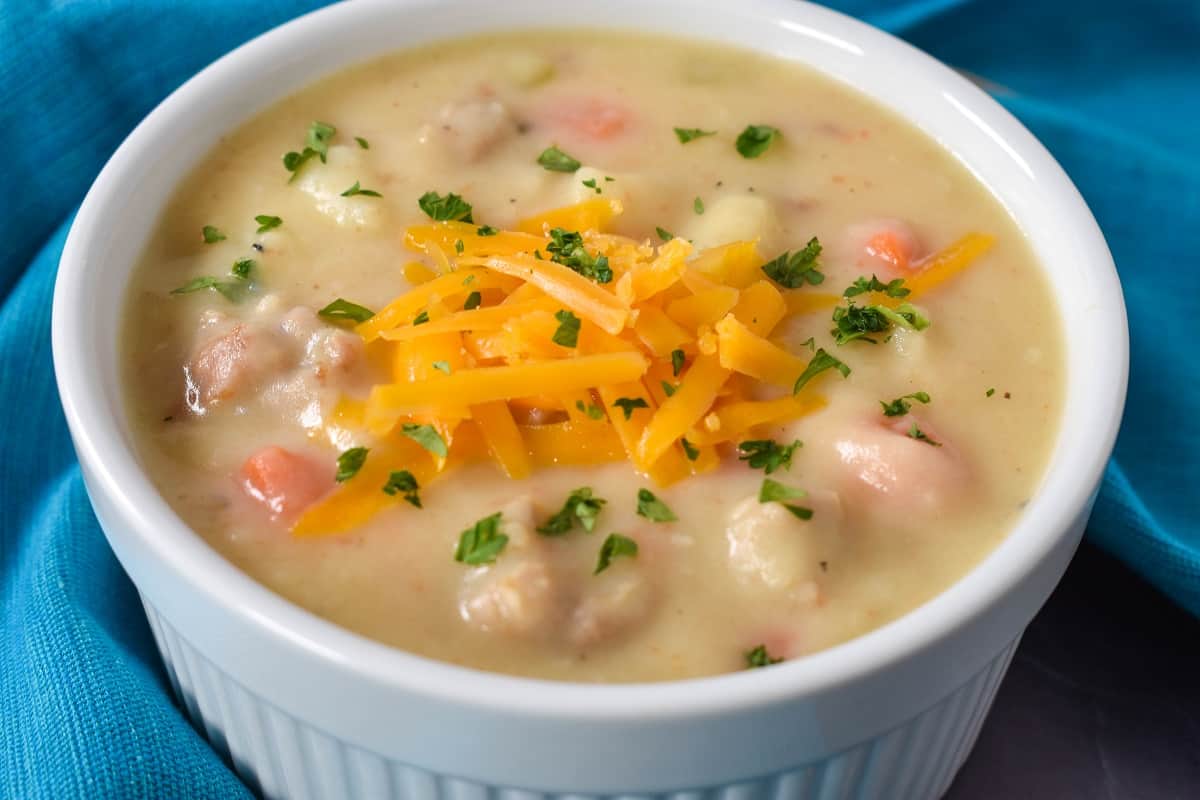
(307, 709)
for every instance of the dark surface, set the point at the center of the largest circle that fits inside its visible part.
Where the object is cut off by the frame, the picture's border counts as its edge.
(1102, 699)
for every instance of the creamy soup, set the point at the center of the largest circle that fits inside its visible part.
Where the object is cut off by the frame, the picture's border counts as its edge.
(592, 357)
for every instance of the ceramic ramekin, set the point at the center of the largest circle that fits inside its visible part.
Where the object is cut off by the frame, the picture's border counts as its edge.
(306, 709)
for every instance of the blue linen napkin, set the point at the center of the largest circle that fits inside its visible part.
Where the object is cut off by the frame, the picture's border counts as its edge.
(85, 709)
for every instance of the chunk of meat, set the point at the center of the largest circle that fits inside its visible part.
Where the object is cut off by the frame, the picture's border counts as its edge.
(886, 472)
(888, 247)
(611, 604)
(231, 364)
(474, 128)
(590, 119)
(284, 482)
(770, 547)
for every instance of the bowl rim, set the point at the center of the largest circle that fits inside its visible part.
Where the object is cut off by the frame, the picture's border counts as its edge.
(113, 466)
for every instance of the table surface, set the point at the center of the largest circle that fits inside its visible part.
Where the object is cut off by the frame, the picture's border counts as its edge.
(1102, 699)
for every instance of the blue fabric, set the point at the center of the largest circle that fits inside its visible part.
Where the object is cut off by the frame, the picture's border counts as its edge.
(85, 710)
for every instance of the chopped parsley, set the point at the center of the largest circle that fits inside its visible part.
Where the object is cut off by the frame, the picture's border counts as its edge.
(473, 300)
(441, 366)
(820, 362)
(893, 288)
(403, 482)
(486, 230)
(689, 450)
(990, 392)
(357, 190)
(316, 142)
(556, 160)
(628, 404)
(592, 410)
(698, 205)
(755, 139)
(767, 455)
(267, 222)
(652, 508)
(614, 546)
(810, 343)
(759, 657)
(916, 433)
(567, 334)
(350, 462)
(566, 248)
(853, 322)
(591, 184)
(664, 234)
(581, 506)
(449, 208)
(678, 357)
(481, 543)
(340, 310)
(242, 268)
(776, 492)
(363, 143)
(426, 436)
(668, 388)
(685, 135)
(211, 234)
(459, 246)
(230, 290)
(422, 318)
(900, 406)
(793, 270)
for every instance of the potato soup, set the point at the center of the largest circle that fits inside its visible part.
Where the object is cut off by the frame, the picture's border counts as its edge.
(592, 357)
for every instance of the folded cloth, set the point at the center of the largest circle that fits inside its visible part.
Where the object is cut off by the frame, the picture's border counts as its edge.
(85, 707)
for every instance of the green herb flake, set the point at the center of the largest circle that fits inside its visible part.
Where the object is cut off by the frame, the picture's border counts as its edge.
(853, 322)
(689, 450)
(556, 160)
(421, 319)
(893, 288)
(426, 436)
(242, 268)
(685, 135)
(776, 492)
(227, 289)
(486, 230)
(767, 455)
(698, 205)
(628, 404)
(211, 234)
(755, 139)
(441, 366)
(581, 506)
(664, 234)
(591, 184)
(342, 310)
(916, 433)
(668, 388)
(350, 462)
(481, 543)
(267, 222)
(820, 362)
(320, 134)
(363, 143)
(403, 482)
(900, 406)
(759, 657)
(592, 410)
(567, 334)
(678, 357)
(451, 208)
(473, 300)
(652, 508)
(357, 190)
(793, 270)
(566, 248)
(990, 392)
(810, 343)
(614, 546)
(459, 246)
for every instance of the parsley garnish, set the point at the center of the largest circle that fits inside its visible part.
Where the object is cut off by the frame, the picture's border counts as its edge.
(758, 657)
(403, 482)
(990, 392)
(591, 409)
(473, 300)
(316, 144)
(664, 234)
(350, 462)
(266, 222)
(363, 143)
(566, 248)
(916, 433)
(556, 160)
(652, 508)
(810, 343)
(767, 455)
(422, 318)
(426, 436)
(486, 230)
(340, 310)
(441, 366)
(211, 234)
(449, 208)
(459, 246)
(893, 288)
(591, 184)
(900, 406)
(820, 362)
(628, 404)
(356, 190)
(581, 506)
(668, 388)
(242, 268)
(677, 360)
(614, 546)
(689, 450)
(776, 492)
(481, 543)
(698, 205)
(793, 270)
(685, 135)
(230, 290)
(567, 334)
(755, 139)
(855, 322)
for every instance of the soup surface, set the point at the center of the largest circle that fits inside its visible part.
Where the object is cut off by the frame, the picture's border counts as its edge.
(682, 489)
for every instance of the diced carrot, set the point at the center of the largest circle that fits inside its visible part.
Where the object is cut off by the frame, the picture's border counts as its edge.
(891, 247)
(590, 118)
(283, 481)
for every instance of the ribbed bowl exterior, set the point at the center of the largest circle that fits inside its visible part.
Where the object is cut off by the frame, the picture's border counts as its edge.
(285, 758)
